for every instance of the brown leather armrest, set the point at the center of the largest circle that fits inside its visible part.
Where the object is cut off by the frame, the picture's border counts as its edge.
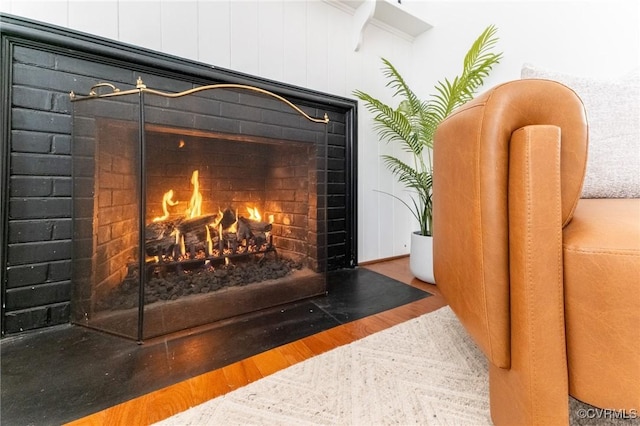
(535, 387)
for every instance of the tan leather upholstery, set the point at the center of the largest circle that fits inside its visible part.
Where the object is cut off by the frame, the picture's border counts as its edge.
(602, 302)
(508, 172)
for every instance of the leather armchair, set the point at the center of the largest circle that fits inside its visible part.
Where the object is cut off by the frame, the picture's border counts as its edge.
(546, 283)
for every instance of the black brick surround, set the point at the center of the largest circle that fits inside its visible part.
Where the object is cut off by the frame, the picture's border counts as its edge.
(41, 64)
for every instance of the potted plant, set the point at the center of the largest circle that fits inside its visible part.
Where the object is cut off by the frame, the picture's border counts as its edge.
(412, 125)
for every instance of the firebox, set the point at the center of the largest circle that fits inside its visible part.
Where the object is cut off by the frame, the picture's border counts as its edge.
(194, 207)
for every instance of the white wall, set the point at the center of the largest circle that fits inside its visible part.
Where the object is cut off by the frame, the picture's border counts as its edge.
(597, 38)
(309, 43)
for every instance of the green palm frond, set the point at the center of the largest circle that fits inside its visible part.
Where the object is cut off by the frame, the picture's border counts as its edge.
(409, 176)
(411, 105)
(392, 125)
(477, 65)
(413, 123)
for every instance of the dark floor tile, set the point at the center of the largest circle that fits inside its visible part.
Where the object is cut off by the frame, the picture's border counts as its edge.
(358, 293)
(63, 373)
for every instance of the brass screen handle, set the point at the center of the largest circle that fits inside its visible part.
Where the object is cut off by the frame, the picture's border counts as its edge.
(93, 92)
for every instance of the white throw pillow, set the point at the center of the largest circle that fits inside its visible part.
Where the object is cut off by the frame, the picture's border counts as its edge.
(613, 115)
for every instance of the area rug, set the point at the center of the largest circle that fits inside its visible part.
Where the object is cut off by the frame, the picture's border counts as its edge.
(426, 371)
(423, 371)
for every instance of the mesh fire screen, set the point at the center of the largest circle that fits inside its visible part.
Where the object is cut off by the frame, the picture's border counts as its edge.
(194, 207)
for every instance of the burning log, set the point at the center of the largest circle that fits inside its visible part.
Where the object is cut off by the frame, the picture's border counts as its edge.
(194, 237)
(159, 230)
(160, 238)
(196, 224)
(228, 218)
(231, 243)
(253, 232)
(162, 247)
(254, 225)
(195, 242)
(244, 230)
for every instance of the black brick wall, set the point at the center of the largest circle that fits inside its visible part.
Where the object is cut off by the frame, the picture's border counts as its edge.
(41, 64)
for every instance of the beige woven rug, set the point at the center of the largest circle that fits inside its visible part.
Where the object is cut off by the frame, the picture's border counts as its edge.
(426, 371)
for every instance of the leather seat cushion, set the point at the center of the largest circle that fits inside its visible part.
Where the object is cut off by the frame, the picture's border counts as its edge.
(602, 302)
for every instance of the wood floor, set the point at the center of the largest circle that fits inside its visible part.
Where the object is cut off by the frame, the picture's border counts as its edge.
(166, 402)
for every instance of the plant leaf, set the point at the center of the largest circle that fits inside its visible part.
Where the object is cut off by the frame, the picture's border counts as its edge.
(412, 125)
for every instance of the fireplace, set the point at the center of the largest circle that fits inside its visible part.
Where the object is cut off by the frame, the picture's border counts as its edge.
(186, 213)
(43, 63)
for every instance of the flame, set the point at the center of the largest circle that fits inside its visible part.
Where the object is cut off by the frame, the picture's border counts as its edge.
(209, 241)
(180, 241)
(233, 228)
(217, 243)
(167, 200)
(195, 203)
(254, 214)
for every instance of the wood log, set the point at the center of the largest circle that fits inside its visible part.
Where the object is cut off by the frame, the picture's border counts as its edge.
(160, 237)
(196, 224)
(244, 230)
(159, 230)
(254, 225)
(260, 238)
(195, 239)
(163, 246)
(228, 218)
(230, 240)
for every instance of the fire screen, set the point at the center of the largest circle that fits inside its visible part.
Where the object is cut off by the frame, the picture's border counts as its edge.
(194, 207)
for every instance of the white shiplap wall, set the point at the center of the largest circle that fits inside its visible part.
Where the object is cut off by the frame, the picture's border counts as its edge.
(309, 43)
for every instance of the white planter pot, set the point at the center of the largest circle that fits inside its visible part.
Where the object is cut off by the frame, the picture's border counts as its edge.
(421, 257)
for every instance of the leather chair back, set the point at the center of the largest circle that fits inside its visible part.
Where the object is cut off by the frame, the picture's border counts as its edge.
(471, 163)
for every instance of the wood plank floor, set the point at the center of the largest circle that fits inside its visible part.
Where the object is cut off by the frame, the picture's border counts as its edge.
(166, 402)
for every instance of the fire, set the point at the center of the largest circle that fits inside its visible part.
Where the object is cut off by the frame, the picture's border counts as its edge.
(254, 214)
(167, 200)
(221, 234)
(195, 203)
(209, 241)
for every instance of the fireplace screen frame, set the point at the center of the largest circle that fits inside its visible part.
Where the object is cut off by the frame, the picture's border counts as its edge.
(138, 322)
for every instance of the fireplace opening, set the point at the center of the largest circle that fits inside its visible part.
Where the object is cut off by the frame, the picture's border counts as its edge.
(195, 207)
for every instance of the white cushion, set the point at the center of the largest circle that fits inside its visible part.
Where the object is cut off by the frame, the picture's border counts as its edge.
(613, 116)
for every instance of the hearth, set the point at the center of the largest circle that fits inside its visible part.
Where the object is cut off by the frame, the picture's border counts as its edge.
(194, 207)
